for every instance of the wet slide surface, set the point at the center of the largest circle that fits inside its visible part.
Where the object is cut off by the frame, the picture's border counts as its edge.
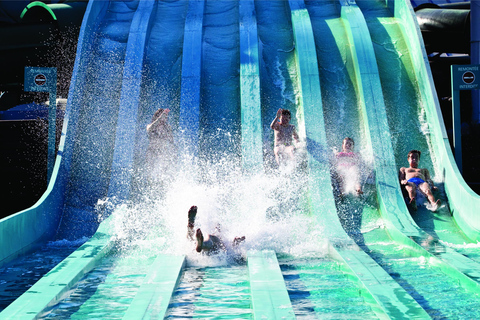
(277, 215)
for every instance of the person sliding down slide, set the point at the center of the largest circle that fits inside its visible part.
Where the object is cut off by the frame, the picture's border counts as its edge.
(414, 178)
(210, 244)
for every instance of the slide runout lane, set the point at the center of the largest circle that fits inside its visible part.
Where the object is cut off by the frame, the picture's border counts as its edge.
(388, 301)
(400, 223)
(50, 288)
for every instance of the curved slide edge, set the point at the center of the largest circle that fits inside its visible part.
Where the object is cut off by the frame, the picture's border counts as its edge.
(386, 297)
(400, 224)
(28, 229)
(463, 201)
(50, 288)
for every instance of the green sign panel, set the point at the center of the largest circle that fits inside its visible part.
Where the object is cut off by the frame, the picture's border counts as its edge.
(466, 77)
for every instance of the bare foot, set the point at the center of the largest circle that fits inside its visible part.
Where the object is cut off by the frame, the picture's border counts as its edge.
(436, 205)
(199, 236)
(192, 213)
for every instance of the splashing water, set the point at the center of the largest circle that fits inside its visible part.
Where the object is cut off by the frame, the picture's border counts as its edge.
(266, 209)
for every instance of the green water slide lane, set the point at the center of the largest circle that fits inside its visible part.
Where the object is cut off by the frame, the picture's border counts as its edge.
(386, 297)
(50, 288)
(399, 222)
(463, 202)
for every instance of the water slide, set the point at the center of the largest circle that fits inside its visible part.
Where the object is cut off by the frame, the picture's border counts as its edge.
(343, 70)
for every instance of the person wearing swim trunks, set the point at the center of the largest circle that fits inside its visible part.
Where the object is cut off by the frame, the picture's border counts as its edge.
(284, 133)
(414, 178)
(210, 244)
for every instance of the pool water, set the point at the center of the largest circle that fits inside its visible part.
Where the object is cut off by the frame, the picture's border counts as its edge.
(112, 285)
(20, 274)
(319, 289)
(207, 293)
(441, 296)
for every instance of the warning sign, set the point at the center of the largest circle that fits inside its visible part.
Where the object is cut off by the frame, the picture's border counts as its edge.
(465, 77)
(40, 79)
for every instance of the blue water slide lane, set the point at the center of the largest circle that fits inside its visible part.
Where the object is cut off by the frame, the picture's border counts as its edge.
(385, 296)
(463, 202)
(400, 224)
(122, 164)
(152, 298)
(97, 111)
(49, 289)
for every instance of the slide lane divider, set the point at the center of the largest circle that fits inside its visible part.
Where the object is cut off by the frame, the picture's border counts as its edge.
(50, 288)
(269, 294)
(400, 224)
(385, 296)
(156, 291)
(252, 153)
(189, 121)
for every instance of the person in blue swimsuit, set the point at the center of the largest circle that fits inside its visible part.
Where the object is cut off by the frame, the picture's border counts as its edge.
(414, 178)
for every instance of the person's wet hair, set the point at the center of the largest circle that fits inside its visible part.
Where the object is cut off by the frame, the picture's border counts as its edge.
(286, 112)
(414, 151)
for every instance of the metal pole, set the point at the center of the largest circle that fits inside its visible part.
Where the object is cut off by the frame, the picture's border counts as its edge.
(457, 122)
(475, 54)
(52, 131)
